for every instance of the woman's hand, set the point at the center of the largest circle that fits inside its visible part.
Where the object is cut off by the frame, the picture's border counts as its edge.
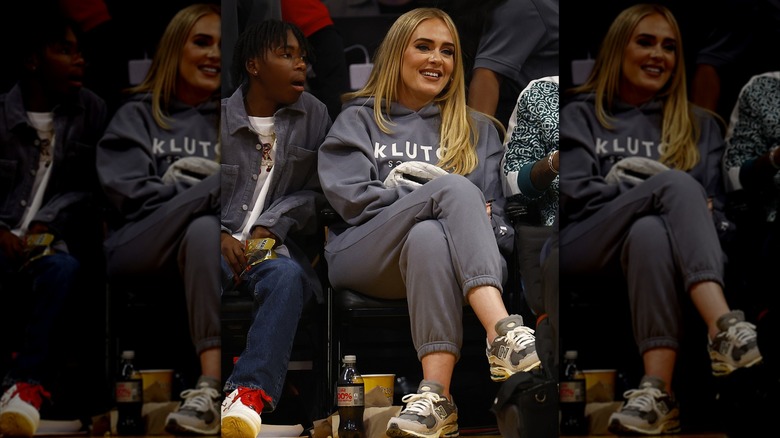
(233, 252)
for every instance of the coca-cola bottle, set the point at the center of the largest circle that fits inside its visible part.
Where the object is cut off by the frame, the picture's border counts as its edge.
(350, 399)
(129, 397)
(572, 397)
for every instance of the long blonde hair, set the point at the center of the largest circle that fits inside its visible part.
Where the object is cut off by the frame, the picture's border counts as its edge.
(161, 78)
(458, 134)
(680, 130)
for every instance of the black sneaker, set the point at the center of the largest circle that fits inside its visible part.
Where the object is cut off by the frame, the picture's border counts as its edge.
(427, 414)
(648, 410)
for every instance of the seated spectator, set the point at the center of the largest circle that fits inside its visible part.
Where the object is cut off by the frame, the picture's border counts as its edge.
(440, 244)
(531, 163)
(752, 162)
(49, 125)
(278, 200)
(651, 223)
(156, 149)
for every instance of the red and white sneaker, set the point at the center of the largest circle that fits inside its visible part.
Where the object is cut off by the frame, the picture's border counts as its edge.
(19, 409)
(241, 412)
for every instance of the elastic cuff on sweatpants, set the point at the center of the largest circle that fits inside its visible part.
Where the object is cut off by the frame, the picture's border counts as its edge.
(659, 342)
(207, 344)
(438, 347)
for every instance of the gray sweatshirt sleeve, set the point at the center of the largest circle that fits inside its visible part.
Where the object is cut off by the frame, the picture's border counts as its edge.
(489, 180)
(583, 190)
(126, 165)
(348, 171)
(712, 147)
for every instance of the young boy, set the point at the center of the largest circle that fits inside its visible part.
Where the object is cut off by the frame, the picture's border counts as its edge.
(271, 130)
(49, 125)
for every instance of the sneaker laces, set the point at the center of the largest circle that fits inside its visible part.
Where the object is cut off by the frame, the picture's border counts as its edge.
(32, 394)
(743, 332)
(199, 399)
(420, 404)
(255, 399)
(642, 399)
(521, 337)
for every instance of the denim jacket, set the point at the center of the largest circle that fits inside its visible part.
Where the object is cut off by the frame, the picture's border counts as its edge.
(78, 124)
(294, 198)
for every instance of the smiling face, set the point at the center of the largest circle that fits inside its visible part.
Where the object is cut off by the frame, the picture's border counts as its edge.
(649, 60)
(427, 64)
(278, 78)
(200, 63)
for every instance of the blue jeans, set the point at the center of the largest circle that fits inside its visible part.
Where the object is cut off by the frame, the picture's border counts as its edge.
(52, 279)
(280, 291)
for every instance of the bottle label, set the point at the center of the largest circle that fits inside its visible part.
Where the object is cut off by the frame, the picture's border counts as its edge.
(129, 391)
(572, 391)
(350, 395)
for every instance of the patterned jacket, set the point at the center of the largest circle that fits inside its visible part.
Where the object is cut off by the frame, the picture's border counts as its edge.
(532, 135)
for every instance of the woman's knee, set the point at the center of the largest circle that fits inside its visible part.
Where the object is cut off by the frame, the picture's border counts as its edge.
(200, 226)
(456, 183)
(648, 229)
(648, 240)
(424, 233)
(681, 183)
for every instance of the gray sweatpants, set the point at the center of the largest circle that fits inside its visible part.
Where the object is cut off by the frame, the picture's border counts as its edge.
(432, 246)
(662, 234)
(183, 232)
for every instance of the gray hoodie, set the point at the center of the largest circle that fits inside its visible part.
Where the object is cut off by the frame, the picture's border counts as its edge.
(588, 151)
(357, 156)
(135, 152)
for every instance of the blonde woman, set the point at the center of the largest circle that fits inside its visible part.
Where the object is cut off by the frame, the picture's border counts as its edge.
(168, 223)
(652, 224)
(412, 173)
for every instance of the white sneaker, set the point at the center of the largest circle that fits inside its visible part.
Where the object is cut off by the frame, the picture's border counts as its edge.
(241, 413)
(198, 413)
(736, 346)
(513, 350)
(427, 414)
(19, 406)
(648, 410)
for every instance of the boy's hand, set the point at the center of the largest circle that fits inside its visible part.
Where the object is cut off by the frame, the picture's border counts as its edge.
(262, 233)
(233, 252)
(11, 246)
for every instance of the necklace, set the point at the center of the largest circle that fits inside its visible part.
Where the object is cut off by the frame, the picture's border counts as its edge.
(267, 159)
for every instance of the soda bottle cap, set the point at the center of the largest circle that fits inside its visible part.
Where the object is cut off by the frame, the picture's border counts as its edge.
(570, 354)
(128, 354)
(350, 358)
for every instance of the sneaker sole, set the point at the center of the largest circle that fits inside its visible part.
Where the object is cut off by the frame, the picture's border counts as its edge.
(15, 424)
(449, 431)
(720, 368)
(176, 428)
(237, 427)
(618, 428)
(499, 373)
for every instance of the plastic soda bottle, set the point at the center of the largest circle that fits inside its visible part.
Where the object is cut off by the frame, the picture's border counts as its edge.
(572, 397)
(350, 399)
(129, 397)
